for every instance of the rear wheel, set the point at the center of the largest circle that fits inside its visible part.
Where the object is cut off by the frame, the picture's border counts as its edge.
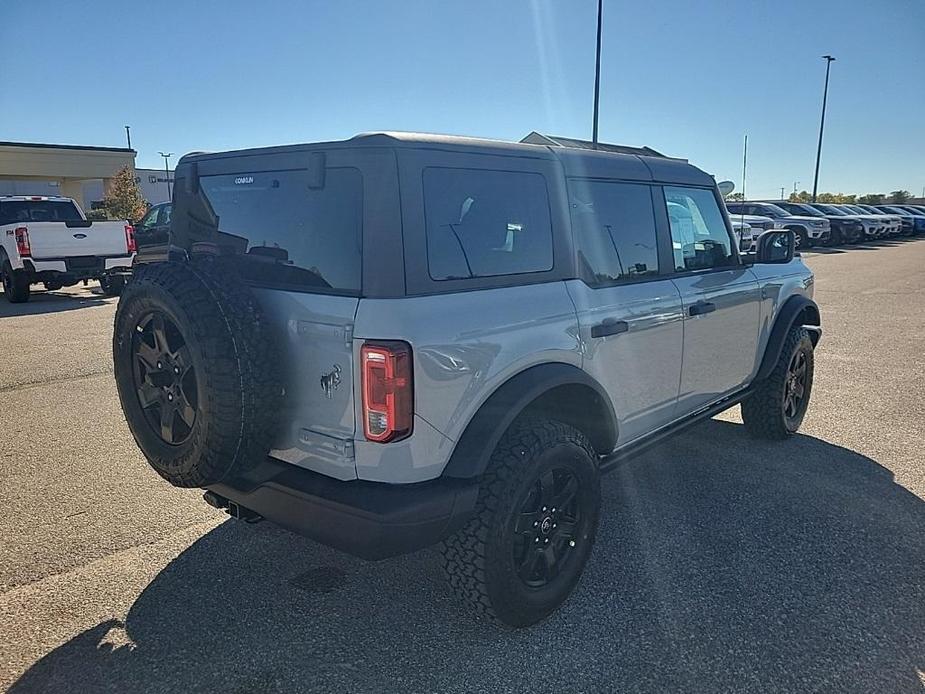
(112, 285)
(777, 407)
(536, 517)
(15, 284)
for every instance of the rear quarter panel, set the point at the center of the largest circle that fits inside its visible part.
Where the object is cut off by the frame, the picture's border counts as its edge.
(465, 345)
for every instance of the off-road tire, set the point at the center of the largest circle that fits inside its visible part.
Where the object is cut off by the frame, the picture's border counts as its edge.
(479, 561)
(112, 285)
(763, 411)
(238, 389)
(15, 284)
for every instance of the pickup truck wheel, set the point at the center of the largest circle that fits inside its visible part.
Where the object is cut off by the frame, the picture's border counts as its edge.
(777, 407)
(536, 517)
(112, 285)
(195, 371)
(15, 284)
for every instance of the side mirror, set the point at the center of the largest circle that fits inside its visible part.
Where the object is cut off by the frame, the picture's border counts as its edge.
(775, 246)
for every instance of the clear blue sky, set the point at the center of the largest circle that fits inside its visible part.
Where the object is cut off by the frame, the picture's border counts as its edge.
(686, 78)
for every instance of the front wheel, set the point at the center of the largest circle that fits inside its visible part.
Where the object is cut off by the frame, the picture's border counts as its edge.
(523, 552)
(15, 284)
(777, 407)
(801, 237)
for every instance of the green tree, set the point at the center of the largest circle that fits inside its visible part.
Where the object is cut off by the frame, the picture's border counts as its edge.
(836, 198)
(802, 196)
(735, 197)
(124, 199)
(872, 199)
(898, 197)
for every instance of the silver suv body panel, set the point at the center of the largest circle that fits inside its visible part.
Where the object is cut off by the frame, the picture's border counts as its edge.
(465, 346)
(656, 357)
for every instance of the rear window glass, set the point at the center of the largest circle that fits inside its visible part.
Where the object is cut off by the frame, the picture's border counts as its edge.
(289, 234)
(614, 225)
(38, 211)
(486, 223)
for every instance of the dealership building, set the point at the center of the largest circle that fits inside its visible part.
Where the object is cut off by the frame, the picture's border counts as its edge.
(75, 171)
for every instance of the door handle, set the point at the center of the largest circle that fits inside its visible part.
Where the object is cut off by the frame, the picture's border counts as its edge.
(609, 326)
(702, 307)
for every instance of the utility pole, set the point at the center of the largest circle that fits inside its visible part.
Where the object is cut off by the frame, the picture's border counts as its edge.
(167, 156)
(782, 192)
(744, 166)
(825, 94)
(597, 72)
(795, 184)
(128, 135)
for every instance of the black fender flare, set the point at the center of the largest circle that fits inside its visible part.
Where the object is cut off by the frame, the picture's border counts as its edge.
(797, 310)
(483, 432)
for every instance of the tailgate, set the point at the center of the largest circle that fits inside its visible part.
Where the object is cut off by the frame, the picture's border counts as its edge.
(318, 370)
(70, 239)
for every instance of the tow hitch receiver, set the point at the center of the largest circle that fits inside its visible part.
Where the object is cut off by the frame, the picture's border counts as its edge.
(231, 508)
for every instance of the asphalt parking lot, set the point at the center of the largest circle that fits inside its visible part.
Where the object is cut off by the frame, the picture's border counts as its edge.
(722, 564)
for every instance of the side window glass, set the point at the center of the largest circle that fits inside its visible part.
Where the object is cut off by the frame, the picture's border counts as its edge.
(614, 226)
(482, 223)
(699, 237)
(150, 219)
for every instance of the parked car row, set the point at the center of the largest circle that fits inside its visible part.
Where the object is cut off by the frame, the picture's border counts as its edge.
(826, 224)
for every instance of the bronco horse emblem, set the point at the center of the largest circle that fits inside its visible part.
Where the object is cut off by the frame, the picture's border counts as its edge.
(330, 381)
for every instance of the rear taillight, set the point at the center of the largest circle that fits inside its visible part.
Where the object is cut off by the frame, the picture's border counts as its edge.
(22, 242)
(130, 243)
(388, 396)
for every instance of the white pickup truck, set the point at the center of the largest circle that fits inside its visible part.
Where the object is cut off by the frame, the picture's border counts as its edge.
(49, 240)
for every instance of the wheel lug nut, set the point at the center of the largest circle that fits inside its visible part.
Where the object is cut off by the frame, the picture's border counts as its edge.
(176, 369)
(160, 365)
(571, 543)
(536, 539)
(554, 525)
(553, 509)
(546, 541)
(170, 396)
(535, 523)
(544, 509)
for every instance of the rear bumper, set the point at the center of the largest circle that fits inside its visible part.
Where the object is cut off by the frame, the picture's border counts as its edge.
(371, 520)
(78, 267)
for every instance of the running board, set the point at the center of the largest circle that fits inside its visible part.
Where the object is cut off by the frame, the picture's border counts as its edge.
(609, 462)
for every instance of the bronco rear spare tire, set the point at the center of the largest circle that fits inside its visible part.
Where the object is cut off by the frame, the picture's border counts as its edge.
(195, 371)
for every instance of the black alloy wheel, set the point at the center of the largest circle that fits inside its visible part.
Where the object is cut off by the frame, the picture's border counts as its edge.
(795, 389)
(165, 380)
(547, 526)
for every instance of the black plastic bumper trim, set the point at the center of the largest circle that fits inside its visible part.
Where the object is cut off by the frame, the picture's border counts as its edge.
(371, 520)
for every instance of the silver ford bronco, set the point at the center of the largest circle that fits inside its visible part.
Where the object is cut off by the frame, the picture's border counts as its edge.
(402, 340)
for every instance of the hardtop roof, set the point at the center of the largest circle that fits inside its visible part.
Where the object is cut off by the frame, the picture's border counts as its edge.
(576, 162)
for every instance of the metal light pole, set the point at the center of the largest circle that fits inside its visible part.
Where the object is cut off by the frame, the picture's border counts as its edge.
(825, 93)
(597, 71)
(128, 135)
(795, 184)
(167, 156)
(744, 166)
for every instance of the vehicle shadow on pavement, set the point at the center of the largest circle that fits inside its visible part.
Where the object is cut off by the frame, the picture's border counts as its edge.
(722, 564)
(48, 302)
